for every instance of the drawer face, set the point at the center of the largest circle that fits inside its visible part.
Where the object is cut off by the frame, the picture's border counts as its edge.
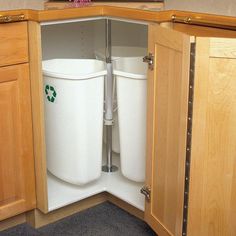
(13, 43)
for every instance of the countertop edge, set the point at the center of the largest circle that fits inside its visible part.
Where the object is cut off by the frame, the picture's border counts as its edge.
(125, 13)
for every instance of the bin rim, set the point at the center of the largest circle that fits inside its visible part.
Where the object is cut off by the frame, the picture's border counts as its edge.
(64, 76)
(74, 77)
(130, 75)
(100, 52)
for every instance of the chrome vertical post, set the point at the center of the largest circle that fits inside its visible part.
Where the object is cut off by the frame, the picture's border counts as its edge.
(108, 117)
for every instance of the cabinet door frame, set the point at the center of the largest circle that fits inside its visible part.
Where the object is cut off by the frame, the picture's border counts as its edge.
(35, 55)
(162, 151)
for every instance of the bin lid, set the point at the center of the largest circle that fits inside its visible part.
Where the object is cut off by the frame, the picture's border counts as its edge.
(74, 69)
(131, 68)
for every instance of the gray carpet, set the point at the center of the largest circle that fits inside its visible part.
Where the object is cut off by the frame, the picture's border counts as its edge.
(105, 219)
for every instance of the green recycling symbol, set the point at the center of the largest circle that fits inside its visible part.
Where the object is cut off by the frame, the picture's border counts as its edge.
(50, 93)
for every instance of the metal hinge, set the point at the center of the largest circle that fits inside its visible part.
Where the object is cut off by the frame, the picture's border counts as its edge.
(11, 18)
(150, 60)
(146, 191)
(189, 138)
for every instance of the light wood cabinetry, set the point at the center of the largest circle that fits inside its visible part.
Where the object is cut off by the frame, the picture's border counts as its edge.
(13, 43)
(17, 181)
(167, 128)
(191, 153)
(212, 206)
(203, 128)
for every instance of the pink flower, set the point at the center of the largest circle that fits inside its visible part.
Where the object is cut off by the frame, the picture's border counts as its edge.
(79, 3)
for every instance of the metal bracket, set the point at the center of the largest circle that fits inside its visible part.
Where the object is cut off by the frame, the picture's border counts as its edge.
(146, 191)
(11, 18)
(186, 20)
(150, 60)
(108, 122)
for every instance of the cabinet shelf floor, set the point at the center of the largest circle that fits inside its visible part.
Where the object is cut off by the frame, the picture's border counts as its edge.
(61, 193)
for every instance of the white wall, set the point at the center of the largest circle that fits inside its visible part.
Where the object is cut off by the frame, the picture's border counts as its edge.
(221, 7)
(21, 4)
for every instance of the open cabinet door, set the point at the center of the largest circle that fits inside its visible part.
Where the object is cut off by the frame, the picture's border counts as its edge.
(168, 85)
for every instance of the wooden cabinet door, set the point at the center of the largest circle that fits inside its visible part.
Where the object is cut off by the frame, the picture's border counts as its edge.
(212, 189)
(168, 85)
(17, 181)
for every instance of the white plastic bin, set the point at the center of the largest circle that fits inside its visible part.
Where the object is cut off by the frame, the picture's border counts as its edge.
(74, 94)
(117, 53)
(131, 97)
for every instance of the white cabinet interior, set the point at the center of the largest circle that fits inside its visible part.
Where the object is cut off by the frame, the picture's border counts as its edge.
(80, 40)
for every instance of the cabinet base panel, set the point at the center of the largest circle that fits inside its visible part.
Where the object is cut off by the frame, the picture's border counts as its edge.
(125, 206)
(13, 221)
(38, 219)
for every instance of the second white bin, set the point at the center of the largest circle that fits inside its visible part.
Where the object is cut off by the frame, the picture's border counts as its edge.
(74, 92)
(131, 75)
(119, 52)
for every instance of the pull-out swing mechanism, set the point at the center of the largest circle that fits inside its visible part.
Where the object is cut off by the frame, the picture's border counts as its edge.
(108, 117)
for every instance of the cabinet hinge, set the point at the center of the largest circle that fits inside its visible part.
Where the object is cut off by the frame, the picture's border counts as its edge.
(189, 138)
(146, 191)
(11, 18)
(150, 60)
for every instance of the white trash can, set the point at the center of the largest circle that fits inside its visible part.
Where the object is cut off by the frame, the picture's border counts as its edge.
(117, 53)
(131, 75)
(74, 94)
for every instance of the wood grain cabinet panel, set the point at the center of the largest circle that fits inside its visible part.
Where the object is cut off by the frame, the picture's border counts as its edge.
(13, 43)
(212, 196)
(17, 181)
(205, 184)
(167, 127)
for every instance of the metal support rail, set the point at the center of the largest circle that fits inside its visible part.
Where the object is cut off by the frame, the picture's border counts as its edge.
(108, 116)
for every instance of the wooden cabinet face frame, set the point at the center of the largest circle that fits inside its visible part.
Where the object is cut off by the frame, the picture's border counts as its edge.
(17, 192)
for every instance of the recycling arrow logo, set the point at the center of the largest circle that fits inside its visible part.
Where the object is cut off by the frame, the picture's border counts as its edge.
(50, 93)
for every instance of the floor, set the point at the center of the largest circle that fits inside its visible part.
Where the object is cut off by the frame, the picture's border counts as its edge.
(105, 219)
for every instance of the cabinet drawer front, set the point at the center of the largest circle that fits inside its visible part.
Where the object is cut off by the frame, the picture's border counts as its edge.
(13, 43)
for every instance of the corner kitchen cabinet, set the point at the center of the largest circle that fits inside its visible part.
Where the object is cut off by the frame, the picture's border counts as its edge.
(191, 125)
(17, 180)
